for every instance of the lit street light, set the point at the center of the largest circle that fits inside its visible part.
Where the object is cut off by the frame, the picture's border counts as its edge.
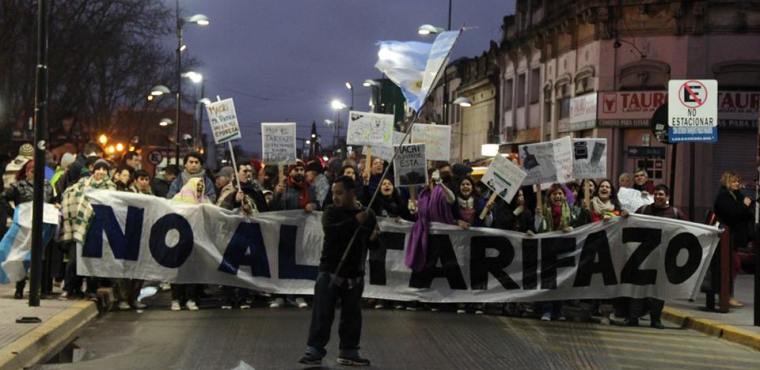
(463, 102)
(350, 87)
(159, 90)
(165, 122)
(103, 139)
(337, 104)
(429, 29)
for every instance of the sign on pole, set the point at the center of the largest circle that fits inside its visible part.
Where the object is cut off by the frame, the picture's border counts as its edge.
(693, 111)
(278, 142)
(410, 165)
(548, 162)
(589, 158)
(223, 120)
(504, 178)
(370, 129)
(437, 138)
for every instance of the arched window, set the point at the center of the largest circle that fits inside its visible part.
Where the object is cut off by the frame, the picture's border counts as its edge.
(644, 74)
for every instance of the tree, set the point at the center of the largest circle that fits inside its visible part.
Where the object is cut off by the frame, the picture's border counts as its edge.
(104, 56)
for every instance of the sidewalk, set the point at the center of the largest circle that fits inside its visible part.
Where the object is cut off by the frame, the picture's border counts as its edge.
(735, 326)
(23, 345)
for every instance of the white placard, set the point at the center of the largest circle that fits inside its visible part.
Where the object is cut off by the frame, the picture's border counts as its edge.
(632, 199)
(589, 158)
(692, 110)
(548, 162)
(369, 129)
(504, 177)
(436, 137)
(223, 120)
(386, 152)
(410, 165)
(278, 142)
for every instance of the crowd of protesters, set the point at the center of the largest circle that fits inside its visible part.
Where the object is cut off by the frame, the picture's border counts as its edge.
(452, 196)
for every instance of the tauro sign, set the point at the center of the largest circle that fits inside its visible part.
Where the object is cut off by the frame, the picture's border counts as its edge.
(143, 237)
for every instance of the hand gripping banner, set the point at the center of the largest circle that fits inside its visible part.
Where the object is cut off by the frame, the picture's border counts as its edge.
(144, 237)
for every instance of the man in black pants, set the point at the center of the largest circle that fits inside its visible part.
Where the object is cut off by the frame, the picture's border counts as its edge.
(339, 222)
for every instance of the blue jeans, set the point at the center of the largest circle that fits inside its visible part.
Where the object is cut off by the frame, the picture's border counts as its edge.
(323, 313)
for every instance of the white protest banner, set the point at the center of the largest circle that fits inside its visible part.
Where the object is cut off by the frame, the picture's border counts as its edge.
(548, 162)
(437, 139)
(410, 166)
(369, 129)
(589, 158)
(632, 199)
(386, 152)
(504, 177)
(142, 237)
(223, 120)
(278, 142)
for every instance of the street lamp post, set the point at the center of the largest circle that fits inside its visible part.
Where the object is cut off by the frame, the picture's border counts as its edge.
(200, 20)
(427, 29)
(350, 88)
(337, 106)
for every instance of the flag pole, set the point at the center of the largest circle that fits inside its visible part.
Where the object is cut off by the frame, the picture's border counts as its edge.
(416, 116)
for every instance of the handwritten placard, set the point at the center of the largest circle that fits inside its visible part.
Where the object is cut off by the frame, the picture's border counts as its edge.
(410, 165)
(548, 162)
(370, 129)
(436, 137)
(278, 142)
(223, 120)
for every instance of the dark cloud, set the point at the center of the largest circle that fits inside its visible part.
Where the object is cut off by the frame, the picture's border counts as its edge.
(285, 60)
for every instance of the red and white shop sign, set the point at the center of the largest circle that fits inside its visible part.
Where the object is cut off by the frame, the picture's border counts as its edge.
(623, 105)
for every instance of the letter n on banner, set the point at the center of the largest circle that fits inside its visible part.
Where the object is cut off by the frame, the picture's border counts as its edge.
(125, 245)
(247, 238)
(289, 269)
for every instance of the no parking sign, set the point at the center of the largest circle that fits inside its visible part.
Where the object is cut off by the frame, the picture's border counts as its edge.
(693, 111)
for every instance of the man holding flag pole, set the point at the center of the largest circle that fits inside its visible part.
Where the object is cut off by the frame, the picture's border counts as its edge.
(415, 67)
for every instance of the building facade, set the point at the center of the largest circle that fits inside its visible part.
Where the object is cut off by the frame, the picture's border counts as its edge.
(600, 69)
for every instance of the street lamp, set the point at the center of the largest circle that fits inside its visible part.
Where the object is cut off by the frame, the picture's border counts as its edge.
(103, 139)
(159, 90)
(329, 122)
(351, 88)
(200, 20)
(337, 106)
(463, 102)
(165, 122)
(429, 29)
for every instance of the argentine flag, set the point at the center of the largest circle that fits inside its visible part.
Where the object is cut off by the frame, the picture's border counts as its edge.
(16, 244)
(415, 66)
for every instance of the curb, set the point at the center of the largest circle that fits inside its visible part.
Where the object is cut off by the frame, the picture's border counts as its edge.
(712, 328)
(48, 338)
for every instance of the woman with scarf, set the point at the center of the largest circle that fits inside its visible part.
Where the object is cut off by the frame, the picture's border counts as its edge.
(193, 192)
(466, 210)
(77, 213)
(604, 204)
(603, 207)
(434, 204)
(22, 191)
(557, 215)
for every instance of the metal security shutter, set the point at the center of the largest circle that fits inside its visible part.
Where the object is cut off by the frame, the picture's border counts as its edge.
(735, 151)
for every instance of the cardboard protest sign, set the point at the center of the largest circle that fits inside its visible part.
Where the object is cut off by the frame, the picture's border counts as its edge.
(589, 158)
(370, 129)
(223, 120)
(548, 162)
(437, 139)
(386, 152)
(632, 199)
(278, 142)
(410, 166)
(504, 178)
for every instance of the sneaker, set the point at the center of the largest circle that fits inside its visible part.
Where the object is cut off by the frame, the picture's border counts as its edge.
(562, 318)
(175, 305)
(226, 306)
(276, 303)
(310, 359)
(479, 311)
(547, 316)
(461, 311)
(353, 361)
(191, 305)
(434, 308)
(399, 306)
(379, 305)
(301, 303)
(245, 306)
(165, 286)
(64, 296)
(124, 306)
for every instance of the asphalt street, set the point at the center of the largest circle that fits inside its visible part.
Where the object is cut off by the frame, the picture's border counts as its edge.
(266, 338)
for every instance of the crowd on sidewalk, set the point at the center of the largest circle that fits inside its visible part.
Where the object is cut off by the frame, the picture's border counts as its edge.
(452, 196)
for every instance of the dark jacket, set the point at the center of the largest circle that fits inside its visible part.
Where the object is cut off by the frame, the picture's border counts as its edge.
(339, 225)
(730, 209)
(479, 203)
(504, 218)
(667, 212)
(289, 199)
(250, 191)
(160, 187)
(393, 206)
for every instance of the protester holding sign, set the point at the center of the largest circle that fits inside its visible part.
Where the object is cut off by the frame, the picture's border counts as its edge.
(339, 222)
(516, 215)
(469, 205)
(389, 202)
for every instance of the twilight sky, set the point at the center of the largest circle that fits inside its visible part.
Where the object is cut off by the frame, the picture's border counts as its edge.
(285, 60)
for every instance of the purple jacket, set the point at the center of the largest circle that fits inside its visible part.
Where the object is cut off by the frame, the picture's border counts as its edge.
(431, 207)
